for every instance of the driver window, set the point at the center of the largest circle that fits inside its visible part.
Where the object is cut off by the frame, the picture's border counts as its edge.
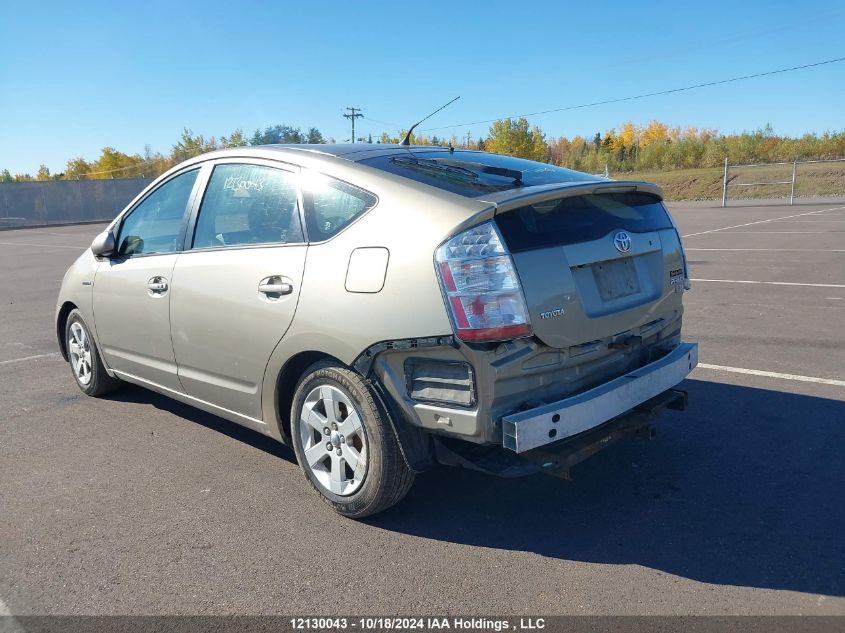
(155, 225)
(248, 204)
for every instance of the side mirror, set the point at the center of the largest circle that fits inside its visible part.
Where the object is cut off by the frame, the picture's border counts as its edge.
(104, 244)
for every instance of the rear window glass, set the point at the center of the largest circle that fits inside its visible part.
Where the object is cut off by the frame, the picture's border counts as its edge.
(459, 171)
(580, 219)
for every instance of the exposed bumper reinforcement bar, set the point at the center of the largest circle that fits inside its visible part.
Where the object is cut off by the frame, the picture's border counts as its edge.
(527, 430)
(559, 458)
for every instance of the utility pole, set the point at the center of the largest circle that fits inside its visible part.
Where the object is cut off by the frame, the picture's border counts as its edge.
(354, 114)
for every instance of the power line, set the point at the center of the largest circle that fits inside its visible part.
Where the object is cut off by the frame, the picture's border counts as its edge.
(387, 123)
(643, 96)
(355, 113)
(710, 44)
(141, 167)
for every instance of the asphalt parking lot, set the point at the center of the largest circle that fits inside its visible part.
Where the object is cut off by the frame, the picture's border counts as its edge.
(137, 504)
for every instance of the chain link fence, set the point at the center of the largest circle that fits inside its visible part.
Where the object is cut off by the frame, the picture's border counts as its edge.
(800, 178)
(65, 201)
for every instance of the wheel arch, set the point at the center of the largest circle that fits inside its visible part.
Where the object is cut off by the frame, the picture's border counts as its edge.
(414, 442)
(286, 383)
(61, 325)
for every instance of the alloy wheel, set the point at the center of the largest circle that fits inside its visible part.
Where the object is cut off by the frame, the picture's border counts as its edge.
(333, 440)
(80, 353)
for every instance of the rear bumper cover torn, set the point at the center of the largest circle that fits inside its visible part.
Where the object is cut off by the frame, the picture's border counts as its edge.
(550, 423)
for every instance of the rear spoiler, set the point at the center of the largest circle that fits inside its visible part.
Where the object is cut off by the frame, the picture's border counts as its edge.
(516, 198)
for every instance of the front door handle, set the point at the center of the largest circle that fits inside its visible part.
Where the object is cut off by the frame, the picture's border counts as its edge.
(157, 285)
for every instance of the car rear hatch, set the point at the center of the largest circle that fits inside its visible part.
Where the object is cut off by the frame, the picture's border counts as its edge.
(594, 260)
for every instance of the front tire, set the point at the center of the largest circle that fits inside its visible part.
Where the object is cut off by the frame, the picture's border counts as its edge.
(85, 362)
(344, 442)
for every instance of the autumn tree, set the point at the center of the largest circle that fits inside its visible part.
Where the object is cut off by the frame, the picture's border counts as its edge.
(43, 173)
(655, 132)
(115, 164)
(77, 168)
(610, 141)
(235, 139)
(559, 148)
(628, 135)
(190, 145)
(514, 137)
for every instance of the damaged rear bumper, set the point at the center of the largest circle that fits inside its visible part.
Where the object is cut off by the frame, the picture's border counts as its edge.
(550, 423)
(558, 458)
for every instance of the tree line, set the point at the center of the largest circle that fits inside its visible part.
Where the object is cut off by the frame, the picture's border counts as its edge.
(658, 146)
(116, 164)
(655, 146)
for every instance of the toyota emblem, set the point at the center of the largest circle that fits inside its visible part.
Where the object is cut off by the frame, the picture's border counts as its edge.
(622, 242)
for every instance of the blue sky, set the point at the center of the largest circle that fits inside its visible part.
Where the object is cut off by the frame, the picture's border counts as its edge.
(75, 77)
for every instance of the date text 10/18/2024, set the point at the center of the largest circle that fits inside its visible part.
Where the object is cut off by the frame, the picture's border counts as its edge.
(419, 624)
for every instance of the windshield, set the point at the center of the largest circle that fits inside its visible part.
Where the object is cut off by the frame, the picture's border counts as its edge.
(473, 173)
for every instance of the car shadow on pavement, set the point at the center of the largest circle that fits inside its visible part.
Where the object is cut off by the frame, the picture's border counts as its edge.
(139, 395)
(745, 488)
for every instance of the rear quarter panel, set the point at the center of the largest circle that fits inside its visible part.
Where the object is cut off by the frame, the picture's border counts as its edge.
(410, 221)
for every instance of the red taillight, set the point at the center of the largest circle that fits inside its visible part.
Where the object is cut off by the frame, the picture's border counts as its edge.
(496, 334)
(481, 286)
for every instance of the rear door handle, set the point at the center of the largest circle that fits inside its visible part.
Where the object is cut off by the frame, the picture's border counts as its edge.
(274, 286)
(157, 284)
(275, 289)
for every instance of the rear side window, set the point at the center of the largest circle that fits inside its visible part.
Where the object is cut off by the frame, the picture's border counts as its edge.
(248, 204)
(580, 219)
(155, 225)
(331, 204)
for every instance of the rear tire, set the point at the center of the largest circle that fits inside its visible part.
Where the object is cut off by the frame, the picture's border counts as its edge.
(345, 444)
(85, 362)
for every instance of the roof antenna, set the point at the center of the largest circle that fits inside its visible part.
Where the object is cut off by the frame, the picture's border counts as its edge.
(407, 139)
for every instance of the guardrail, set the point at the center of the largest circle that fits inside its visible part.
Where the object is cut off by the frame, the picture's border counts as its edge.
(791, 182)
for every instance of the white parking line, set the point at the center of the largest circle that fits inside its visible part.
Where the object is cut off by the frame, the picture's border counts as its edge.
(774, 250)
(780, 233)
(769, 283)
(786, 217)
(26, 358)
(76, 248)
(773, 374)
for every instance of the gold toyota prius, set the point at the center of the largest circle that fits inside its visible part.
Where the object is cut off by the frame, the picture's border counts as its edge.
(386, 308)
